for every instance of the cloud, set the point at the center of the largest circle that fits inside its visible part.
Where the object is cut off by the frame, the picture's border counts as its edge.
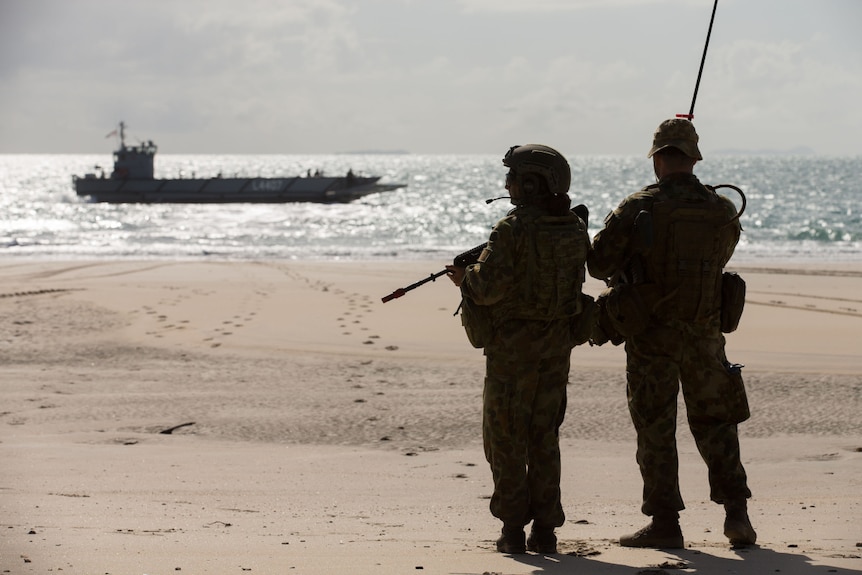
(455, 76)
(533, 6)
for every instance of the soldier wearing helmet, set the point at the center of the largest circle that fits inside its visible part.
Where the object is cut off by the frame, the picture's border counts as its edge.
(537, 174)
(528, 280)
(663, 251)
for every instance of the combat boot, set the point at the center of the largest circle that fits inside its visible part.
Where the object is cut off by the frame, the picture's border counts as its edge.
(542, 540)
(737, 525)
(511, 541)
(663, 532)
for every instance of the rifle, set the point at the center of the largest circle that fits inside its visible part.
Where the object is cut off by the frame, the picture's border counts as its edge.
(462, 260)
(471, 256)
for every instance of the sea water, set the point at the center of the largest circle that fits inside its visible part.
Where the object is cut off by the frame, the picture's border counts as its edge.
(799, 208)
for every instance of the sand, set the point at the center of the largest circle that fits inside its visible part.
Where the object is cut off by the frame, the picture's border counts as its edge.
(275, 417)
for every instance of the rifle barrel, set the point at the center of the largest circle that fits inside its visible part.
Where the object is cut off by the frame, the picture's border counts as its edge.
(401, 291)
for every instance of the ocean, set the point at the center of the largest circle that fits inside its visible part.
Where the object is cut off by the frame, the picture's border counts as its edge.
(800, 208)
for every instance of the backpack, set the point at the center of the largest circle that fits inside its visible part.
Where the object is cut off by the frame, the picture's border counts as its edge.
(555, 274)
(686, 258)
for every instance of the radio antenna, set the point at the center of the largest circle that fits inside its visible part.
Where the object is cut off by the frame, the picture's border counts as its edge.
(690, 114)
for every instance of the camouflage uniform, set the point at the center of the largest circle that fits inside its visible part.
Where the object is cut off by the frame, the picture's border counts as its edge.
(675, 349)
(532, 288)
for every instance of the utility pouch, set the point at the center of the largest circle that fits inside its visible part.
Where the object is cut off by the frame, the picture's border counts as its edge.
(477, 322)
(582, 324)
(732, 301)
(735, 397)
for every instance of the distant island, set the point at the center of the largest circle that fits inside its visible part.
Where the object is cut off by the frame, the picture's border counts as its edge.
(798, 151)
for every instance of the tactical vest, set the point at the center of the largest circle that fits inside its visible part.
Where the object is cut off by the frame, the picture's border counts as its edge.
(685, 260)
(550, 270)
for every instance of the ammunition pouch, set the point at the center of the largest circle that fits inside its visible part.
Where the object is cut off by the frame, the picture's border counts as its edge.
(732, 301)
(582, 324)
(477, 322)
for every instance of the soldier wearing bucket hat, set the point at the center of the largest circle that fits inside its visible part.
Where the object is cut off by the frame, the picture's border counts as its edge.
(662, 252)
(676, 133)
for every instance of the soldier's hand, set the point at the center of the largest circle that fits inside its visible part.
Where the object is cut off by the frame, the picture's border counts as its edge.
(456, 274)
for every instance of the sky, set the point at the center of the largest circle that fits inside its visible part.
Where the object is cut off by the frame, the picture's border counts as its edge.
(427, 76)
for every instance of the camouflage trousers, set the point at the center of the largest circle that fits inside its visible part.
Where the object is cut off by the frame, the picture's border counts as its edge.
(658, 360)
(524, 403)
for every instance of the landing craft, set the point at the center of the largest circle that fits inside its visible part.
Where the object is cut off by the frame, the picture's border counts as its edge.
(132, 181)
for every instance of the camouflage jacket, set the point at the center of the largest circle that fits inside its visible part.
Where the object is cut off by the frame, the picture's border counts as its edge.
(618, 245)
(530, 275)
(613, 245)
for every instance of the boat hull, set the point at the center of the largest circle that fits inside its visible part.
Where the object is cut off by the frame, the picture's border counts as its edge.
(229, 190)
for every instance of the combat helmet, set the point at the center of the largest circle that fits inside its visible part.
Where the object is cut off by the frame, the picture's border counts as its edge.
(535, 160)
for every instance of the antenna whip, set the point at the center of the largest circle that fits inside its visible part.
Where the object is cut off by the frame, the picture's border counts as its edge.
(690, 114)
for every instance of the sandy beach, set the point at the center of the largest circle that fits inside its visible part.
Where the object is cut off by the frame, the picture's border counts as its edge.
(276, 417)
